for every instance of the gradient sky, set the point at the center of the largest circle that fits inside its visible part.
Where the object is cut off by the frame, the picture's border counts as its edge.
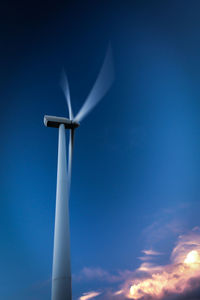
(136, 168)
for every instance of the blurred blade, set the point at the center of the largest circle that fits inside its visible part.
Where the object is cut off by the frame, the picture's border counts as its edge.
(70, 153)
(100, 88)
(65, 88)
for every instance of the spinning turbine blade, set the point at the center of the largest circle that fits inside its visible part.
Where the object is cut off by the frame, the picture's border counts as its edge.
(65, 88)
(100, 88)
(70, 154)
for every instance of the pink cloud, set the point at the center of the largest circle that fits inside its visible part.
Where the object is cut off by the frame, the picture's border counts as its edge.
(89, 295)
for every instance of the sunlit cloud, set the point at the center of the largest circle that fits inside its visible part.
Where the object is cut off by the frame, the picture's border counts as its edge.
(151, 252)
(176, 278)
(149, 255)
(89, 295)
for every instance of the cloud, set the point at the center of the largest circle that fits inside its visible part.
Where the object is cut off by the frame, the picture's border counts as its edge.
(151, 252)
(149, 255)
(89, 295)
(181, 276)
(177, 280)
(94, 274)
(166, 225)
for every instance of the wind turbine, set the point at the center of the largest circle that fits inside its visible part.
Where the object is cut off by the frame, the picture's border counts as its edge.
(61, 274)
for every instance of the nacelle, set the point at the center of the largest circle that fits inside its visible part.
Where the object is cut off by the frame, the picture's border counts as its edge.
(52, 121)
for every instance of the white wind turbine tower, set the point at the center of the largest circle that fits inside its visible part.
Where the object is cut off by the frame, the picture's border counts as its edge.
(61, 274)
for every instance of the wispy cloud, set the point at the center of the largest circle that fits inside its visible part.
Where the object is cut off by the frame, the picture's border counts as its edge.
(94, 274)
(151, 252)
(89, 295)
(149, 255)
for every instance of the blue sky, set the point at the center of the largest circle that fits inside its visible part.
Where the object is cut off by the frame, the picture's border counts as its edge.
(136, 158)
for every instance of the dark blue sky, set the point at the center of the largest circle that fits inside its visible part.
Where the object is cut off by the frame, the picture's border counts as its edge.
(136, 160)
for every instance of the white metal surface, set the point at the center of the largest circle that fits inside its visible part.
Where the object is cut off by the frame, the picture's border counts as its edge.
(61, 277)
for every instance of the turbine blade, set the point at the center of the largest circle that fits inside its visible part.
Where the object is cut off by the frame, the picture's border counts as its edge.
(65, 88)
(100, 88)
(70, 153)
